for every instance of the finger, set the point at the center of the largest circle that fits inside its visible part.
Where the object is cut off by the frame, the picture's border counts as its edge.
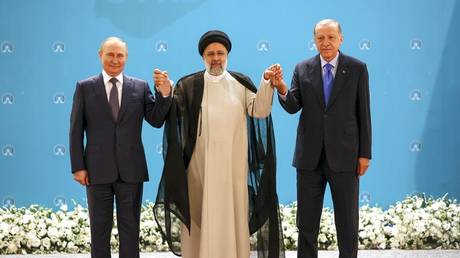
(157, 71)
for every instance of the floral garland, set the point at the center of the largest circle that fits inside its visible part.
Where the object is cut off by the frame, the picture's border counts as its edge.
(417, 222)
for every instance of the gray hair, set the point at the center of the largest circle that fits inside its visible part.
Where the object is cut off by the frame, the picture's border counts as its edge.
(328, 22)
(113, 38)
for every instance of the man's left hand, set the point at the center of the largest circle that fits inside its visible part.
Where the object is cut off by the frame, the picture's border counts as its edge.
(363, 165)
(274, 73)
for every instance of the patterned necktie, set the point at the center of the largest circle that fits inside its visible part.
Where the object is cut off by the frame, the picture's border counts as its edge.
(327, 82)
(113, 98)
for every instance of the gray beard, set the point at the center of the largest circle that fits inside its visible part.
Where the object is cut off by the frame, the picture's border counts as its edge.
(216, 71)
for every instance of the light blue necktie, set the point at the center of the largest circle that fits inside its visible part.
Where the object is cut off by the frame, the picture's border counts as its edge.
(327, 82)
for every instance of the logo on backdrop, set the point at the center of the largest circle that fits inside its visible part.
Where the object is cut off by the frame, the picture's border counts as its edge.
(60, 201)
(161, 46)
(8, 202)
(365, 198)
(312, 45)
(415, 44)
(59, 150)
(58, 47)
(415, 95)
(7, 47)
(59, 98)
(415, 146)
(7, 99)
(8, 150)
(263, 46)
(159, 148)
(365, 44)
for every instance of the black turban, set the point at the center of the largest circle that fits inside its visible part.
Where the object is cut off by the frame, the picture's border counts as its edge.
(214, 36)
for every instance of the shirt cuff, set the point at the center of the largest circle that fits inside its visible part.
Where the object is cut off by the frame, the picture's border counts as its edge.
(283, 97)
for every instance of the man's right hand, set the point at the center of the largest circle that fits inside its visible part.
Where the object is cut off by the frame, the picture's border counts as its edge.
(162, 82)
(81, 176)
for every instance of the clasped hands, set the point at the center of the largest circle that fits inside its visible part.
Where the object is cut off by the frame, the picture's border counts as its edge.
(162, 82)
(274, 73)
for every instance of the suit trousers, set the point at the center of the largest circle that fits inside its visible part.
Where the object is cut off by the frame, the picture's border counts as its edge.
(344, 187)
(128, 199)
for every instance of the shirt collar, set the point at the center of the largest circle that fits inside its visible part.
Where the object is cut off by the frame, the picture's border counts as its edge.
(107, 77)
(333, 62)
(215, 78)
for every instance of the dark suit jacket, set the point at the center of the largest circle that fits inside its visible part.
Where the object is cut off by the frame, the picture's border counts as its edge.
(343, 127)
(113, 147)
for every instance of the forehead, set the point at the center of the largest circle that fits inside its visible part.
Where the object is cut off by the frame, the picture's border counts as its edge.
(215, 46)
(327, 28)
(114, 46)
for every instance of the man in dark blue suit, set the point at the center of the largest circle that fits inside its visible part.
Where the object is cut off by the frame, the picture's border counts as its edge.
(333, 138)
(108, 109)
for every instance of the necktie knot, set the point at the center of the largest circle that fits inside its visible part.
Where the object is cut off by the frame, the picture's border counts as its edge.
(328, 67)
(113, 81)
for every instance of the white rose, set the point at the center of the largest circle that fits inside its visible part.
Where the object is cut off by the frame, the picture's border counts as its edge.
(31, 226)
(41, 233)
(446, 226)
(12, 248)
(14, 230)
(46, 242)
(53, 232)
(34, 242)
(4, 227)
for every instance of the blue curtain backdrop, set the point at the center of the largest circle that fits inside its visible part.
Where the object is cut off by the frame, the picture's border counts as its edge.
(411, 48)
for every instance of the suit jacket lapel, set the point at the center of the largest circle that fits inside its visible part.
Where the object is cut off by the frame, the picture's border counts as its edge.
(316, 77)
(101, 95)
(126, 92)
(341, 76)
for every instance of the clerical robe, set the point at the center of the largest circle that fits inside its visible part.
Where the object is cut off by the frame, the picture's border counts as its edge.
(220, 130)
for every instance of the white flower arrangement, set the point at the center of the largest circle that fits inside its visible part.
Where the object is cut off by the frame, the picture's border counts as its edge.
(417, 222)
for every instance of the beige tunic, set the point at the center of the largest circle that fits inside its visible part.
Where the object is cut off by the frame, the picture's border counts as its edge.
(218, 170)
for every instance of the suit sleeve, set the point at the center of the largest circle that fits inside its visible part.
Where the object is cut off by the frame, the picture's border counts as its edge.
(293, 101)
(77, 129)
(156, 107)
(364, 115)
